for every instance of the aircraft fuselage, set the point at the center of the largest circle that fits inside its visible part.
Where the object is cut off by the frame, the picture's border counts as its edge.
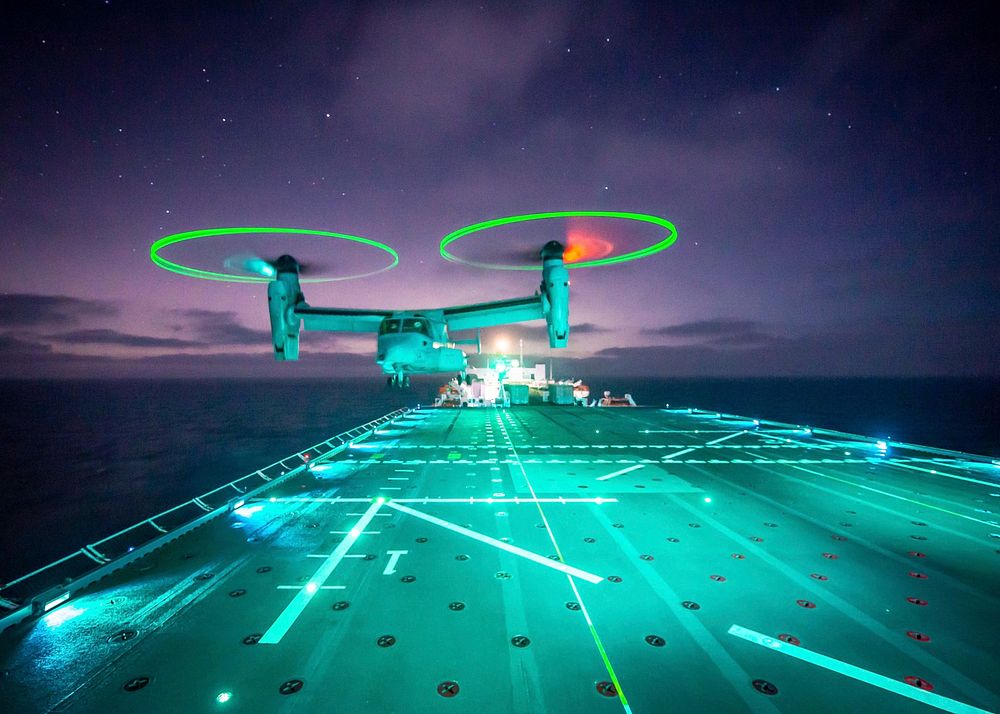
(416, 343)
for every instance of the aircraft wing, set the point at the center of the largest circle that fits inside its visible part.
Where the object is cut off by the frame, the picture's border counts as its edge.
(336, 319)
(489, 314)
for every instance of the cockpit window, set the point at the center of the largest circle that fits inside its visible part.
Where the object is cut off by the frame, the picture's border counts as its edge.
(389, 325)
(416, 325)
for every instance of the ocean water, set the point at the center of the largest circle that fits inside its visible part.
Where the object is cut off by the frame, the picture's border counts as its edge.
(82, 460)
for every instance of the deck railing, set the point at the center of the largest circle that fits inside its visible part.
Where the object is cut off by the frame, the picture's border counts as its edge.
(52, 584)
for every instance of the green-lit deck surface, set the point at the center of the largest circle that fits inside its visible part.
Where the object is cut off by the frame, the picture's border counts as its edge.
(881, 567)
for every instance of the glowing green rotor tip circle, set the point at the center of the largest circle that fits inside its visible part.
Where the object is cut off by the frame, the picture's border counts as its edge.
(623, 258)
(162, 262)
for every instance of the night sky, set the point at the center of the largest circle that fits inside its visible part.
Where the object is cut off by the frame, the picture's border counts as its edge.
(831, 170)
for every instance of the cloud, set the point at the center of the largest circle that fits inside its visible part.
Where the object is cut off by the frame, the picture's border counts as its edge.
(28, 310)
(234, 365)
(221, 327)
(747, 338)
(124, 339)
(15, 346)
(435, 68)
(952, 348)
(720, 332)
(716, 328)
(541, 332)
(845, 41)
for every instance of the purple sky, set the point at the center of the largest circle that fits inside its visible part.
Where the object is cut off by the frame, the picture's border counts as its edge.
(832, 174)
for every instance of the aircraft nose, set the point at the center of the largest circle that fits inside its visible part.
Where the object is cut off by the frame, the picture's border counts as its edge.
(397, 349)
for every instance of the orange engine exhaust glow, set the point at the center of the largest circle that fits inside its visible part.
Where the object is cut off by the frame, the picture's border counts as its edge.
(585, 246)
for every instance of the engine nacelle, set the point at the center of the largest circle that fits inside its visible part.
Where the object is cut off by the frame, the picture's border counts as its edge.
(555, 288)
(283, 294)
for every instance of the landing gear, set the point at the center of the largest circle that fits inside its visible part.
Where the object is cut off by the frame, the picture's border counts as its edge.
(400, 380)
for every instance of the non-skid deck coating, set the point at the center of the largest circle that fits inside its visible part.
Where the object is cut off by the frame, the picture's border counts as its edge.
(555, 559)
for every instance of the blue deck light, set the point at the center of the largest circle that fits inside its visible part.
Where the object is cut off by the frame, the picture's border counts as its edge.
(56, 601)
(63, 614)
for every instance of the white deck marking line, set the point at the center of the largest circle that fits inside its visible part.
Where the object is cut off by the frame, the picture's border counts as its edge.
(299, 587)
(379, 515)
(403, 471)
(572, 583)
(316, 499)
(292, 611)
(619, 473)
(398, 478)
(815, 521)
(558, 499)
(683, 431)
(534, 557)
(724, 438)
(351, 531)
(391, 488)
(935, 472)
(898, 497)
(680, 453)
(920, 655)
(849, 670)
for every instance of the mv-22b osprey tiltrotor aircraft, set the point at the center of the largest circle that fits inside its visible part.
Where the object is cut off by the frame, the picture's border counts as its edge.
(415, 341)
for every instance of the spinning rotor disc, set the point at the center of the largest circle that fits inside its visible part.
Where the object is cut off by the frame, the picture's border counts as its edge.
(623, 258)
(173, 267)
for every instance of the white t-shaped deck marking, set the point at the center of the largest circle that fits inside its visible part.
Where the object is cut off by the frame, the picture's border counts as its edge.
(390, 568)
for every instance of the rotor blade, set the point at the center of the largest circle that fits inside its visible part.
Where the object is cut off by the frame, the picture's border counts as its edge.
(313, 268)
(250, 264)
(517, 255)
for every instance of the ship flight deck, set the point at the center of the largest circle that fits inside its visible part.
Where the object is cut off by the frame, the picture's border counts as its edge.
(539, 559)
